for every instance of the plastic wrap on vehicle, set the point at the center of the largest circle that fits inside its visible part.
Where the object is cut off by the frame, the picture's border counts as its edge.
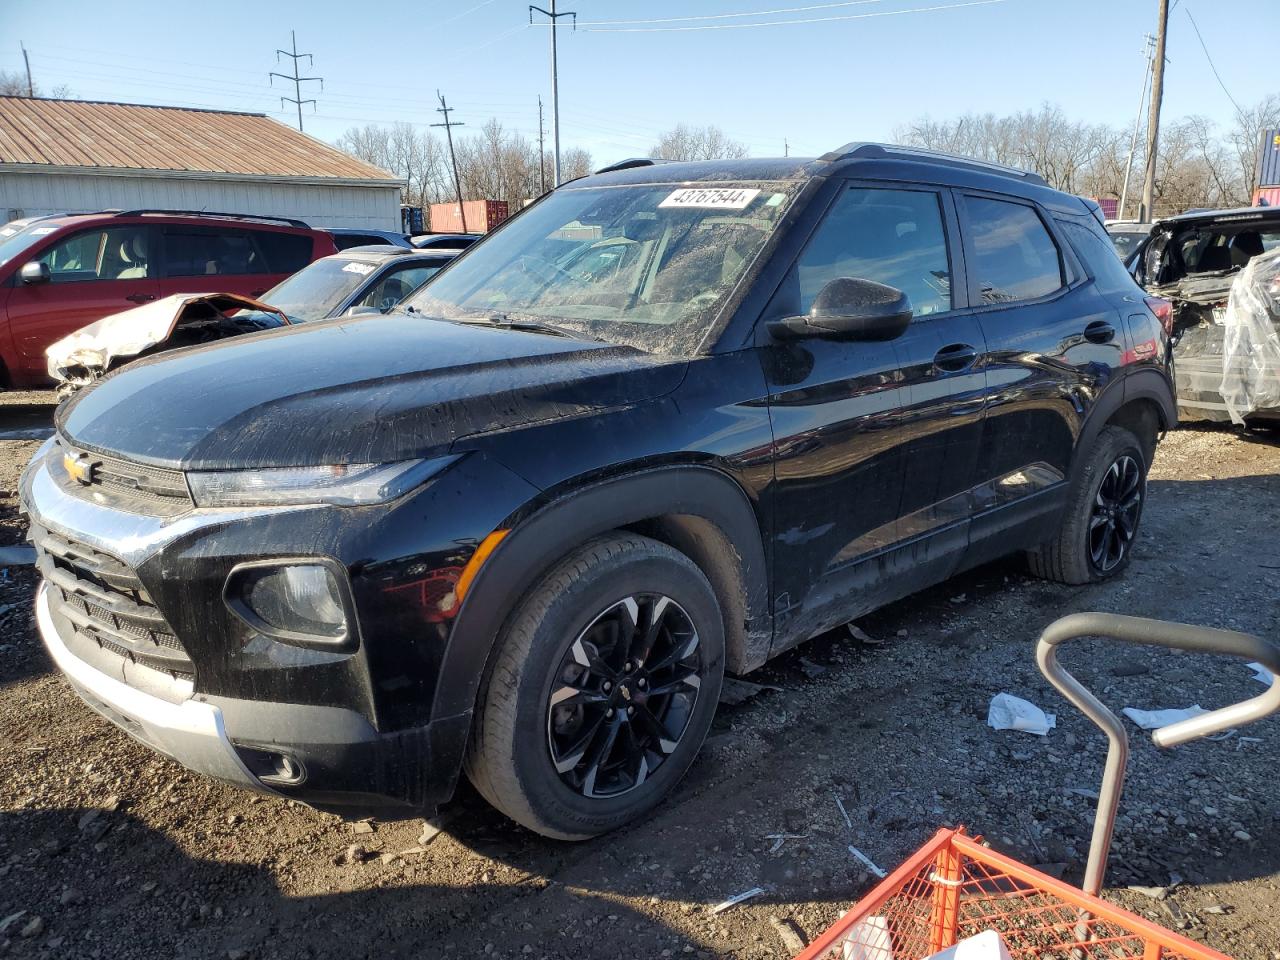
(1251, 339)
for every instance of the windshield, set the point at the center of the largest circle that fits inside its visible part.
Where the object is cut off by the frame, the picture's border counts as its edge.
(15, 237)
(648, 265)
(318, 289)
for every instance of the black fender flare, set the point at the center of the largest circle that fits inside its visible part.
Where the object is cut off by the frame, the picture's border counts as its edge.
(551, 531)
(1140, 386)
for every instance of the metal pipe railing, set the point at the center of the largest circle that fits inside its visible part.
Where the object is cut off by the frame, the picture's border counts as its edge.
(1152, 633)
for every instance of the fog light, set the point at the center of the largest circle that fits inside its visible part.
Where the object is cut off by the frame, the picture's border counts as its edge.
(299, 602)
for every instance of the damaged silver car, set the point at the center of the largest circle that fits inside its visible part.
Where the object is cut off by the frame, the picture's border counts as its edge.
(1192, 261)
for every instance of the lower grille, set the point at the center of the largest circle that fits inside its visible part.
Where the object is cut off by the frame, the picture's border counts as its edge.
(104, 600)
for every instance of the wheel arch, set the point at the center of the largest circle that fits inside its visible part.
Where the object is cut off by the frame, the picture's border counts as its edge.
(1142, 403)
(695, 509)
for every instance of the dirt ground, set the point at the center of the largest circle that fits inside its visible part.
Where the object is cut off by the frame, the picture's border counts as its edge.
(109, 851)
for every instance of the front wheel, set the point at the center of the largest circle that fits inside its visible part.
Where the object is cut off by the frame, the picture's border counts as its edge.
(602, 689)
(1104, 510)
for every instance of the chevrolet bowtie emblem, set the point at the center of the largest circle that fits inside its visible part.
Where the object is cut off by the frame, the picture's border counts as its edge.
(79, 467)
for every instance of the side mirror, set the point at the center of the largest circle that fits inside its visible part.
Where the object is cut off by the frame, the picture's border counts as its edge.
(37, 271)
(849, 308)
(362, 311)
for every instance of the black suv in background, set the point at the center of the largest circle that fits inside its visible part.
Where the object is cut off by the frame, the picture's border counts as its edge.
(669, 421)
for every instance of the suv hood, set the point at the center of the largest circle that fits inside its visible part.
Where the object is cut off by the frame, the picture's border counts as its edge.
(370, 390)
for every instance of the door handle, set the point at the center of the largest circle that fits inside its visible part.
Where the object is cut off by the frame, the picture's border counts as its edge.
(956, 357)
(1100, 332)
(141, 297)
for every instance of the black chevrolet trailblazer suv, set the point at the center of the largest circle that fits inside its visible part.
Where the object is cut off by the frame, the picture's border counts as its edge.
(671, 420)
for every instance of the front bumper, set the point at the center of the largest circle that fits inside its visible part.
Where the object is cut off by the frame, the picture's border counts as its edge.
(191, 732)
(239, 719)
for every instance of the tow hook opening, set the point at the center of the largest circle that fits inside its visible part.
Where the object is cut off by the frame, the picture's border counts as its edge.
(271, 767)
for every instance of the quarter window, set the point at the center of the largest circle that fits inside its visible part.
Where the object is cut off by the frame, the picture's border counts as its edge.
(116, 253)
(284, 252)
(1013, 255)
(895, 237)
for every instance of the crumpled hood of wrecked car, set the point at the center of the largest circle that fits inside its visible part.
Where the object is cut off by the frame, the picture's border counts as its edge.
(367, 390)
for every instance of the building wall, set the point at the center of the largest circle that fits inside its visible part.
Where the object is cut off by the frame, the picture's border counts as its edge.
(33, 194)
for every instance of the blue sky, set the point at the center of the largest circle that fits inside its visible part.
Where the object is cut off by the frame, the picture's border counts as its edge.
(815, 84)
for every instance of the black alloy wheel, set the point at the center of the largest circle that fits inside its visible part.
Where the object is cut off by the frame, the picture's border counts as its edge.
(1116, 510)
(623, 695)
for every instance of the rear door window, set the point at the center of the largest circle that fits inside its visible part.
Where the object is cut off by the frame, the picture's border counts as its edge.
(111, 253)
(1010, 253)
(209, 252)
(894, 237)
(283, 252)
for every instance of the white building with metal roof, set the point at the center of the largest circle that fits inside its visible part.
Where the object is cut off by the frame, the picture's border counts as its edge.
(60, 156)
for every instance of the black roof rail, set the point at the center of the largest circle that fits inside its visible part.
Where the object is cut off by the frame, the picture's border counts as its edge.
(877, 151)
(213, 213)
(631, 162)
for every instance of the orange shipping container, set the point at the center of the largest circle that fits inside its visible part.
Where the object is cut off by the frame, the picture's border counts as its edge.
(481, 216)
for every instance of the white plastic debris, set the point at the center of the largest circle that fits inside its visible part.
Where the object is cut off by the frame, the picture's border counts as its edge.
(1152, 719)
(737, 899)
(987, 945)
(867, 862)
(869, 939)
(1262, 674)
(1251, 340)
(1008, 712)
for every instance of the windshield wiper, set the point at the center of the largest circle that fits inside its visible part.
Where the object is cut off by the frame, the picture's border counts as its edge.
(505, 322)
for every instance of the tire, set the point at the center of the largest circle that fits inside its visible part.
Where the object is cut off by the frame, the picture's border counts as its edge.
(561, 642)
(1094, 518)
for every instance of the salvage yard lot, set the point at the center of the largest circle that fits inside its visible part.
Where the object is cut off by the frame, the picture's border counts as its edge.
(120, 853)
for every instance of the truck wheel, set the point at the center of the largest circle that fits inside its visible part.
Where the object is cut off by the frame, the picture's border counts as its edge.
(1103, 511)
(601, 691)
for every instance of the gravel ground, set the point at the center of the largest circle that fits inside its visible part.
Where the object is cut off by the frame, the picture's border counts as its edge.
(109, 851)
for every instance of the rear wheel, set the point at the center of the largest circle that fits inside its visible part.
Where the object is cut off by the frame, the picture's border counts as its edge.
(602, 690)
(1103, 512)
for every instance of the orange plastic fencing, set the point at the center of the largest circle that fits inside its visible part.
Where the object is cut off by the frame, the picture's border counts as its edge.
(953, 888)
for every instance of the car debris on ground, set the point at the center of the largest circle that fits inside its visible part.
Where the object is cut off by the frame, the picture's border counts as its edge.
(1007, 712)
(1154, 719)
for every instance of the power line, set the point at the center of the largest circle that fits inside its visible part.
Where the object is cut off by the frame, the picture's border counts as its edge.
(731, 16)
(31, 89)
(785, 23)
(297, 80)
(448, 125)
(554, 17)
(1216, 76)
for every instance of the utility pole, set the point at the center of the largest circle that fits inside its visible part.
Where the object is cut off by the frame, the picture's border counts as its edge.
(542, 162)
(555, 82)
(786, 148)
(1137, 120)
(1153, 118)
(298, 81)
(453, 158)
(31, 89)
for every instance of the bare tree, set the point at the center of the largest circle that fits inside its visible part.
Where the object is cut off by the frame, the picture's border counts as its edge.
(14, 84)
(684, 142)
(1197, 165)
(494, 164)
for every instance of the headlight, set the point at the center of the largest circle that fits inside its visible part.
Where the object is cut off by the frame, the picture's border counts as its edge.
(297, 601)
(345, 485)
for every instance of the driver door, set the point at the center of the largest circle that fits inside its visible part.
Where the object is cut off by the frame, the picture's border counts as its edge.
(875, 442)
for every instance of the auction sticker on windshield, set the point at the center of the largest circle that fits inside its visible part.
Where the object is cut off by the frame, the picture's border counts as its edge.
(722, 198)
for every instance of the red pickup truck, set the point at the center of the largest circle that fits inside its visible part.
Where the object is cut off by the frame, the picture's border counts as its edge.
(58, 274)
